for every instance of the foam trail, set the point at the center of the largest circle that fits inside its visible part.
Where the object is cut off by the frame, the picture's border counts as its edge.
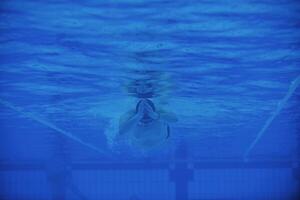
(294, 85)
(53, 127)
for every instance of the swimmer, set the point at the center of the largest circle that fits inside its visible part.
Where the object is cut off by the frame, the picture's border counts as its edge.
(145, 126)
(144, 89)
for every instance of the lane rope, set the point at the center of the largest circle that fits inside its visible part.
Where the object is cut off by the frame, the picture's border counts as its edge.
(293, 86)
(53, 127)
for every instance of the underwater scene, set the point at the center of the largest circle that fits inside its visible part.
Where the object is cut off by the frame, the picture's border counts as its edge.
(149, 100)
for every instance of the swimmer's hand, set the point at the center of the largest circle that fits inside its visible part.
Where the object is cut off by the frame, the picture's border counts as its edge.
(149, 111)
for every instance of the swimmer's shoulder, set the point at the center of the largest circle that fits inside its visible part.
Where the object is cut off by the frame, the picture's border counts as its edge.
(127, 115)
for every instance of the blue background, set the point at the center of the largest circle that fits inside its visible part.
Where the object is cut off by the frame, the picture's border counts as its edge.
(229, 70)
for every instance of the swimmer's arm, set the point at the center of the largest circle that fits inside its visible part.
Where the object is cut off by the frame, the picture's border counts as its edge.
(152, 114)
(128, 120)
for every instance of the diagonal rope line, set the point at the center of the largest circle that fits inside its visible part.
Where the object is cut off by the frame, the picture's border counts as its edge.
(53, 127)
(294, 85)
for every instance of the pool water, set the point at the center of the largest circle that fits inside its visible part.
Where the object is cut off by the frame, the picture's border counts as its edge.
(228, 71)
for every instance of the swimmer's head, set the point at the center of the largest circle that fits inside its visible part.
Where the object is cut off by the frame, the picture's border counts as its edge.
(144, 89)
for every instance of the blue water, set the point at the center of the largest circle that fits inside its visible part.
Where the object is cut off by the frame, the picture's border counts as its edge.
(227, 71)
